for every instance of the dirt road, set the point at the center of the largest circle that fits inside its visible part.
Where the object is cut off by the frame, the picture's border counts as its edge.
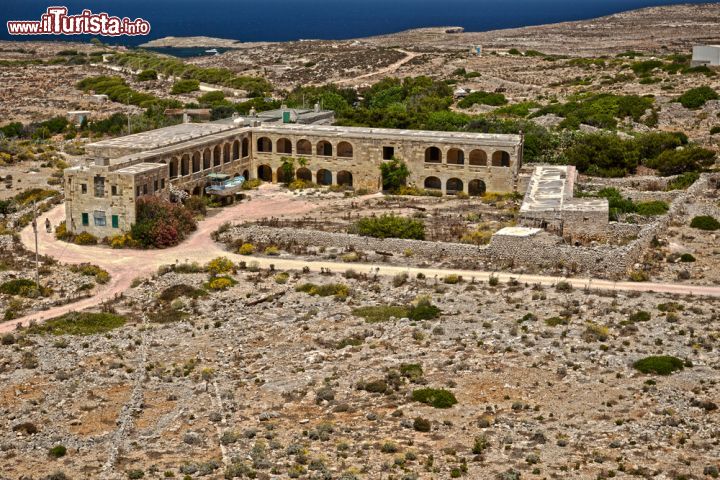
(126, 265)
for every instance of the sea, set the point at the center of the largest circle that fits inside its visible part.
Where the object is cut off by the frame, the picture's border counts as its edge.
(282, 20)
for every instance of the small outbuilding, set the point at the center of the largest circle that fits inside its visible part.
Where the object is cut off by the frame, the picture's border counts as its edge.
(707, 55)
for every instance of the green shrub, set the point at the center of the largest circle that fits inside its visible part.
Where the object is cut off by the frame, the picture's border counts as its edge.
(220, 283)
(381, 313)
(85, 238)
(246, 249)
(394, 173)
(687, 257)
(390, 226)
(412, 371)
(79, 323)
(58, 451)
(423, 310)
(161, 223)
(555, 321)
(659, 364)
(101, 276)
(146, 75)
(185, 85)
(483, 98)
(436, 397)
(639, 316)
(220, 265)
(697, 97)
(19, 286)
(705, 222)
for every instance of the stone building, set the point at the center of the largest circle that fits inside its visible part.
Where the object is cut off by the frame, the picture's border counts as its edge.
(100, 198)
(550, 204)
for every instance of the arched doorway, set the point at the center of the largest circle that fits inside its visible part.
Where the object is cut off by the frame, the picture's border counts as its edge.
(245, 147)
(304, 147)
(304, 174)
(196, 162)
(281, 176)
(478, 158)
(226, 153)
(433, 155)
(185, 165)
(324, 177)
(344, 178)
(453, 186)
(324, 148)
(455, 156)
(264, 173)
(432, 183)
(476, 188)
(284, 146)
(501, 159)
(174, 167)
(246, 174)
(345, 150)
(207, 159)
(217, 156)
(264, 145)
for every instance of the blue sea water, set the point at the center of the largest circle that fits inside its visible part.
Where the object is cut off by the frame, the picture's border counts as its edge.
(279, 20)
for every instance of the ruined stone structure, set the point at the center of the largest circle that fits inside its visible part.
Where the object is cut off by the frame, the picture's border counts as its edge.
(100, 199)
(550, 204)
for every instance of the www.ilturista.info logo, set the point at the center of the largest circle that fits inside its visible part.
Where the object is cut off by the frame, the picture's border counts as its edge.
(56, 21)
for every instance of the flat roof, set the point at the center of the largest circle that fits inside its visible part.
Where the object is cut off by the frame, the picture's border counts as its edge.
(390, 133)
(587, 205)
(548, 188)
(518, 231)
(162, 137)
(140, 168)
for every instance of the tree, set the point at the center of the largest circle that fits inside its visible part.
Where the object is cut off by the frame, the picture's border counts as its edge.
(288, 169)
(394, 174)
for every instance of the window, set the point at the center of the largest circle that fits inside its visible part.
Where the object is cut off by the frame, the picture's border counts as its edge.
(388, 153)
(83, 188)
(155, 186)
(115, 221)
(114, 190)
(162, 183)
(85, 219)
(137, 191)
(99, 218)
(99, 184)
(145, 189)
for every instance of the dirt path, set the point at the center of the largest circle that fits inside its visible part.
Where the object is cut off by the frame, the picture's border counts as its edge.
(383, 71)
(126, 265)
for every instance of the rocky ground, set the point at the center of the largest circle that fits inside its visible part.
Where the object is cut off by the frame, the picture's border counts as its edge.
(266, 381)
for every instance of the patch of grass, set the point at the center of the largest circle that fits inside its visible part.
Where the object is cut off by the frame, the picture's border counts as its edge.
(652, 208)
(555, 321)
(639, 316)
(435, 397)
(659, 364)
(422, 310)
(683, 181)
(79, 323)
(687, 257)
(19, 286)
(220, 283)
(390, 226)
(338, 290)
(181, 290)
(412, 371)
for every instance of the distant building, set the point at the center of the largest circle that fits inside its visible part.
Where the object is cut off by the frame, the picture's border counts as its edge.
(76, 117)
(708, 55)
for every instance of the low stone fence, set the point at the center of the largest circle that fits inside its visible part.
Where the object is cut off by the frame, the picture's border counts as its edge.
(542, 250)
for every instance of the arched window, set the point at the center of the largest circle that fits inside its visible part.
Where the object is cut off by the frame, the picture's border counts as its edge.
(345, 150)
(501, 159)
(433, 155)
(455, 156)
(264, 145)
(284, 146)
(453, 186)
(324, 177)
(476, 188)
(433, 183)
(324, 148)
(344, 178)
(478, 157)
(304, 147)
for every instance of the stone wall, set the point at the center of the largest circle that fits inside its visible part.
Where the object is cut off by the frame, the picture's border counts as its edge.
(543, 250)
